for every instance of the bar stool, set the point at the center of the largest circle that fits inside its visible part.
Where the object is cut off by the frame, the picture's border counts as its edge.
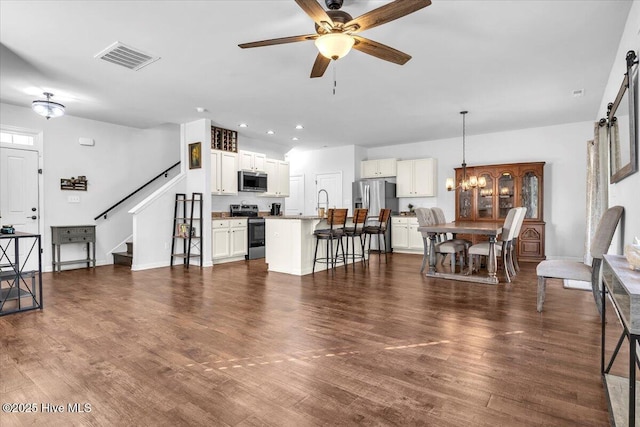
(336, 218)
(359, 218)
(379, 230)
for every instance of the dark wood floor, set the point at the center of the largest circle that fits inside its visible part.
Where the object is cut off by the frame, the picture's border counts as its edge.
(236, 345)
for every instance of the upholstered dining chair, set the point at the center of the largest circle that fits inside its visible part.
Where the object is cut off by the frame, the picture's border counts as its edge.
(444, 247)
(562, 269)
(513, 255)
(438, 213)
(425, 218)
(503, 248)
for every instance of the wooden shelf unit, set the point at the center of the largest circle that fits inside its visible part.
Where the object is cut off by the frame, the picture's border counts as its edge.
(186, 213)
(508, 185)
(224, 139)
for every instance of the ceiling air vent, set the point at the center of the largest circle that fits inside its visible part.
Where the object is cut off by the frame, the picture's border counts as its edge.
(127, 56)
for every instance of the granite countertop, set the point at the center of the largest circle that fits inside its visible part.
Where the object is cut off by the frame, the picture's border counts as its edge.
(293, 217)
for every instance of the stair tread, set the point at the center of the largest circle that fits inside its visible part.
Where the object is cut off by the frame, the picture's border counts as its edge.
(125, 254)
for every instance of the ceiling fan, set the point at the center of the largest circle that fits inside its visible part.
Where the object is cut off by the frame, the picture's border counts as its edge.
(336, 31)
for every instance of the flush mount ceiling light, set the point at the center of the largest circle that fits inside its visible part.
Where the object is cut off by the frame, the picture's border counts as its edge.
(270, 132)
(299, 127)
(334, 45)
(243, 125)
(48, 108)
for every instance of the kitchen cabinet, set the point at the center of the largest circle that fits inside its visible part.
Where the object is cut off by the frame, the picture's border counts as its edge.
(508, 185)
(416, 178)
(224, 172)
(228, 239)
(405, 237)
(277, 178)
(250, 161)
(380, 168)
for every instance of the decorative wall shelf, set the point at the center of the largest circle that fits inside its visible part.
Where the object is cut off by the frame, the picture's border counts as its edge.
(78, 184)
(224, 139)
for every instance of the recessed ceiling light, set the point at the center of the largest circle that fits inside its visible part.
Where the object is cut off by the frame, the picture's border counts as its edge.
(299, 127)
(295, 138)
(270, 132)
(200, 109)
(243, 125)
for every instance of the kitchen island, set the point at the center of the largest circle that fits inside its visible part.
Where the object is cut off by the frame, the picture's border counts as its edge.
(290, 243)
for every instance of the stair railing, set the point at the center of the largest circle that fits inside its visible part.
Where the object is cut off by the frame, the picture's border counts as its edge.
(164, 172)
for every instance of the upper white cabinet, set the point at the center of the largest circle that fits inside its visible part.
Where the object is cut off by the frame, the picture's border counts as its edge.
(378, 168)
(416, 178)
(250, 161)
(224, 172)
(277, 178)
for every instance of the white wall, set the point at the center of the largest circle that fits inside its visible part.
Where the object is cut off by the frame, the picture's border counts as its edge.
(122, 159)
(625, 192)
(563, 148)
(326, 160)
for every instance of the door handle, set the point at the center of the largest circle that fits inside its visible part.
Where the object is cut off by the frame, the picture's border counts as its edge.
(33, 217)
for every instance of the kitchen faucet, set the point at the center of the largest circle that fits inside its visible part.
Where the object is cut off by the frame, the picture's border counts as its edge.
(326, 202)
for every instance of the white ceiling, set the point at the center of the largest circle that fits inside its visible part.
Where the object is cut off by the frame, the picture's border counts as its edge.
(512, 64)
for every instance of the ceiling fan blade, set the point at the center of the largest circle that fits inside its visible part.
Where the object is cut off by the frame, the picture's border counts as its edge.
(320, 66)
(281, 40)
(386, 13)
(316, 12)
(380, 51)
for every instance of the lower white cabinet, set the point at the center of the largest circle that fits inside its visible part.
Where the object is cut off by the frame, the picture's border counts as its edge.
(228, 239)
(405, 237)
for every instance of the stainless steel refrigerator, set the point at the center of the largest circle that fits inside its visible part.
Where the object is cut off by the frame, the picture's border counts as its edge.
(376, 194)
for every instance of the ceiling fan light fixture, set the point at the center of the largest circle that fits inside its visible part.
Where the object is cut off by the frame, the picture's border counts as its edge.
(334, 45)
(48, 108)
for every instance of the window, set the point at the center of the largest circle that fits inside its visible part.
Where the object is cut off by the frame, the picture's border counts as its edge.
(16, 138)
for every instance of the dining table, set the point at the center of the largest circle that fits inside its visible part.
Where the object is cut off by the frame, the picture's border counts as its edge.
(490, 229)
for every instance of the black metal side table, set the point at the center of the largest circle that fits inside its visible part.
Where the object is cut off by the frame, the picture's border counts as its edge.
(20, 281)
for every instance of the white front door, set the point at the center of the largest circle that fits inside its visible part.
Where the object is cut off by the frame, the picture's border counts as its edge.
(19, 194)
(294, 205)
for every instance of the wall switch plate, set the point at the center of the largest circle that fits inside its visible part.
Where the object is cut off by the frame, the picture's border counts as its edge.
(73, 199)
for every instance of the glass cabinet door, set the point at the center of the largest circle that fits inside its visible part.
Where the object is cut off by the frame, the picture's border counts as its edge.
(506, 194)
(464, 200)
(484, 201)
(530, 196)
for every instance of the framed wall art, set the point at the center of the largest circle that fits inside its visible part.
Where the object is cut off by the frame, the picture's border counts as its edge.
(195, 155)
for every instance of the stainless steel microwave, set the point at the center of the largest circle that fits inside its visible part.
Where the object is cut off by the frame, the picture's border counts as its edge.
(252, 181)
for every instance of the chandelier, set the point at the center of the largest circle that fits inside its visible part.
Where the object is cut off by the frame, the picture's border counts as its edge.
(467, 182)
(48, 108)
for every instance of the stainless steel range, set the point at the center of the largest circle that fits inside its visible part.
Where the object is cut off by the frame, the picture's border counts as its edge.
(256, 228)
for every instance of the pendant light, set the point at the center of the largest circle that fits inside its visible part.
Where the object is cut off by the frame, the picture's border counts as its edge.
(472, 181)
(48, 108)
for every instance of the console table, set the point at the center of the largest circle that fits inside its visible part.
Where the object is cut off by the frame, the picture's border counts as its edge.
(623, 286)
(20, 282)
(61, 235)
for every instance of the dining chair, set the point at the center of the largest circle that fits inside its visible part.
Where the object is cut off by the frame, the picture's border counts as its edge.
(336, 219)
(513, 247)
(425, 218)
(502, 249)
(446, 247)
(379, 229)
(359, 219)
(438, 213)
(572, 270)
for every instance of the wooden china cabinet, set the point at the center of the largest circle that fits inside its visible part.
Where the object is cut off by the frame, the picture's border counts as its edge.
(508, 185)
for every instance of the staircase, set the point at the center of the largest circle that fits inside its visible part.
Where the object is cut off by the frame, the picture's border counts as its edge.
(124, 258)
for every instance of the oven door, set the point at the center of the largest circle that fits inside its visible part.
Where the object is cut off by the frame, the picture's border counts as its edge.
(256, 238)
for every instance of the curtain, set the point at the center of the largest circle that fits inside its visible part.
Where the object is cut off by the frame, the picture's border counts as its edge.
(597, 183)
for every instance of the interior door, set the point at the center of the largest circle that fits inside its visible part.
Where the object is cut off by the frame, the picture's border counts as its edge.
(294, 205)
(19, 194)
